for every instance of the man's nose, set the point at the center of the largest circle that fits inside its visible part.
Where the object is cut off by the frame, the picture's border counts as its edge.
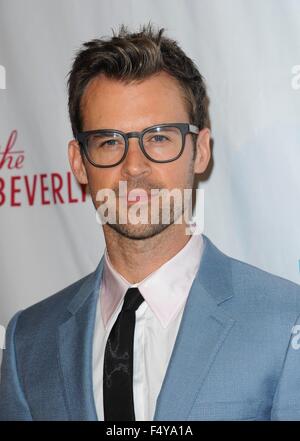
(135, 163)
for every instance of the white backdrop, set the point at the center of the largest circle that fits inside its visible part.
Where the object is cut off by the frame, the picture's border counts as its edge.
(249, 53)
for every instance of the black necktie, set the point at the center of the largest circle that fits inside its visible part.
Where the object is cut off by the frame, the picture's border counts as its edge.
(118, 362)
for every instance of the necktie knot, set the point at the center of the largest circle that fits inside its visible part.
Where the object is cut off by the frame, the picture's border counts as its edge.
(132, 300)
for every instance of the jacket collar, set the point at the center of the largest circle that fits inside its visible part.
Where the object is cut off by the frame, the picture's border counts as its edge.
(214, 273)
(75, 349)
(203, 329)
(90, 286)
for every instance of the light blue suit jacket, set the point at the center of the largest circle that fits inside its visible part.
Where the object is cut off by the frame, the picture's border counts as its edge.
(234, 358)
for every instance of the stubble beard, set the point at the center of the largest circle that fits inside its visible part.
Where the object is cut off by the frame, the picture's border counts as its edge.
(142, 231)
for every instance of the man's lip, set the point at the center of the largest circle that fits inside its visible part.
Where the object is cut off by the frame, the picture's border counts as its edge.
(135, 196)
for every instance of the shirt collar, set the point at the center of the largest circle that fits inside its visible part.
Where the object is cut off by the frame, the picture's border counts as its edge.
(164, 290)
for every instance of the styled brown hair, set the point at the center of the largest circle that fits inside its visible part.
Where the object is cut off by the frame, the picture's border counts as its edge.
(136, 56)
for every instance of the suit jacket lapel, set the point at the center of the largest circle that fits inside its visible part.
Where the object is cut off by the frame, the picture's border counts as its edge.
(203, 329)
(75, 342)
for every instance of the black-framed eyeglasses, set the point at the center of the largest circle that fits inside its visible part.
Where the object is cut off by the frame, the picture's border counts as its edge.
(159, 143)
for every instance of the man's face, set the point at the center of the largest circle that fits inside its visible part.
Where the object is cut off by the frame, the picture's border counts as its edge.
(111, 104)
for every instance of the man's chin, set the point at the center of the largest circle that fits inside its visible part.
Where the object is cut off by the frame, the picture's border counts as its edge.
(139, 231)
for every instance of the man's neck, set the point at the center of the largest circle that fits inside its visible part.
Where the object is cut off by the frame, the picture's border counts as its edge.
(136, 259)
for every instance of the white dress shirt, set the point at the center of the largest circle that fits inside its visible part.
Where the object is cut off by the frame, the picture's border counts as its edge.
(157, 322)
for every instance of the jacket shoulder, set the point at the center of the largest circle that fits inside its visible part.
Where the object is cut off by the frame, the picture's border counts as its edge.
(51, 311)
(270, 293)
(252, 285)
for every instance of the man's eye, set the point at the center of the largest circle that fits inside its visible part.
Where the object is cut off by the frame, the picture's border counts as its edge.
(159, 138)
(110, 142)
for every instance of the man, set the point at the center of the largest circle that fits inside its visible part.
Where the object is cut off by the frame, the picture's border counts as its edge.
(167, 327)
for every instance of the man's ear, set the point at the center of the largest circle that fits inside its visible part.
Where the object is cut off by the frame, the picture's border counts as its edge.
(76, 162)
(203, 152)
